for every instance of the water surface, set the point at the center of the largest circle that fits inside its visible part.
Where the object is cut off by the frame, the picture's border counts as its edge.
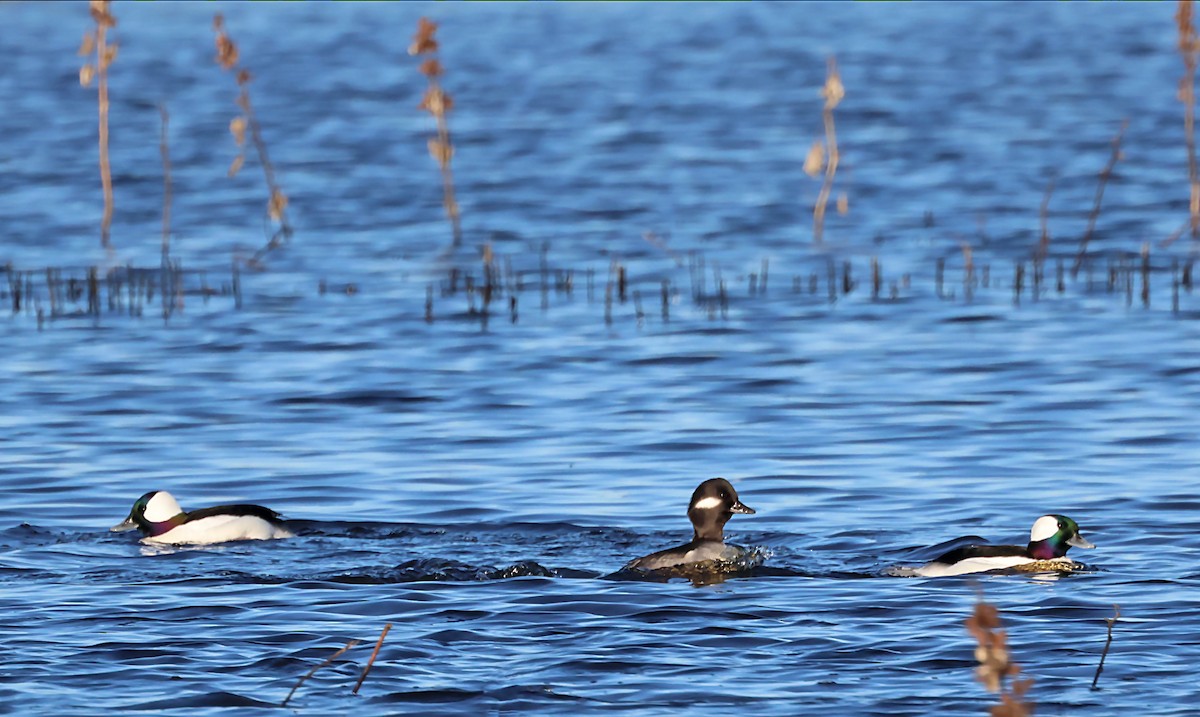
(477, 484)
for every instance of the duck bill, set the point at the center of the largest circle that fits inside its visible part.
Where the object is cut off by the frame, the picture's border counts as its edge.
(1079, 542)
(740, 507)
(124, 525)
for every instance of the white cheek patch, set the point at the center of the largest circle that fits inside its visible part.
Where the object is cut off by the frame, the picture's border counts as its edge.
(1045, 527)
(709, 502)
(162, 507)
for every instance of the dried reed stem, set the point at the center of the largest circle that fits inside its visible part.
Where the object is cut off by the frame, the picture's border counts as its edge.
(370, 662)
(1105, 174)
(96, 41)
(1146, 274)
(968, 266)
(105, 168)
(833, 92)
(438, 104)
(1189, 48)
(1044, 218)
(164, 149)
(1175, 234)
(168, 295)
(310, 673)
(996, 670)
(659, 243)
(277, 202)
(1108, 643)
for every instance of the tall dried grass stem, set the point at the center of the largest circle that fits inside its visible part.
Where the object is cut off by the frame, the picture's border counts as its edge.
(374, 654)
(228, 58)
(833, 92)
(97, 42)
(996, 671)
(164, 150)
(1108, 643)
(1189, 49)
(1043, 247)
(311, 672)
(438, 104)
(1105, 174)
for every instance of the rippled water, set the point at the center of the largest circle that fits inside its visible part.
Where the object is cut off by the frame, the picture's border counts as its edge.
(478, 484)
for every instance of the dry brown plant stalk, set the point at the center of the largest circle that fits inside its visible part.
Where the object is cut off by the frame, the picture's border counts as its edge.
(313, 671)
(277, 202)
(660, 243)
(1105, 175)
(370, 662)
(968, 261)
(826, 155)
(1189, 48)
(1108, 643)
(1044, 218)
(96, 42)
(996, 671)
(437, 103)
(164, 150)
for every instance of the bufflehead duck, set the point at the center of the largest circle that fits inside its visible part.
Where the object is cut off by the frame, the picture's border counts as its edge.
(161, 520)
(1049, 540)
(713, 503)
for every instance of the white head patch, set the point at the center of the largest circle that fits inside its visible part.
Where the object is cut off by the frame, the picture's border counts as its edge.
(711, 501)
(1046, 526)
(162, 507)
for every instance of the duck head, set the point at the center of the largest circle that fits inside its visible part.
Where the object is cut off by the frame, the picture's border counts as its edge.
(713, 504)
(154, 514)
(1053, 535)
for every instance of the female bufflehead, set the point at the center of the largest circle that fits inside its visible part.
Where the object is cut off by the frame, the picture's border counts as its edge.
(714, 502)
(1051, 537)
(161, 520)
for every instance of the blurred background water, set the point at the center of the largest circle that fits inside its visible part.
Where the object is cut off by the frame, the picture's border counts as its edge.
(477, 483)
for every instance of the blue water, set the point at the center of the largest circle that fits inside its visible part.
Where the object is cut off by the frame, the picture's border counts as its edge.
(476, 479)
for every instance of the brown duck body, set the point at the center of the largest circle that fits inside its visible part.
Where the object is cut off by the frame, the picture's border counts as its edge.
(713, 503)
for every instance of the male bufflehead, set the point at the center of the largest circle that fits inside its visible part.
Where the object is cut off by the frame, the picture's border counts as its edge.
(714, 502)
(161, 520)
(1049, 540)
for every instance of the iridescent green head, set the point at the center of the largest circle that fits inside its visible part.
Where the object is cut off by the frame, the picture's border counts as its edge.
(1053, 535)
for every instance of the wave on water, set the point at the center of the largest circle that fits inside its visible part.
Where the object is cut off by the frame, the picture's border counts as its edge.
(442, 569)
(364, 553)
